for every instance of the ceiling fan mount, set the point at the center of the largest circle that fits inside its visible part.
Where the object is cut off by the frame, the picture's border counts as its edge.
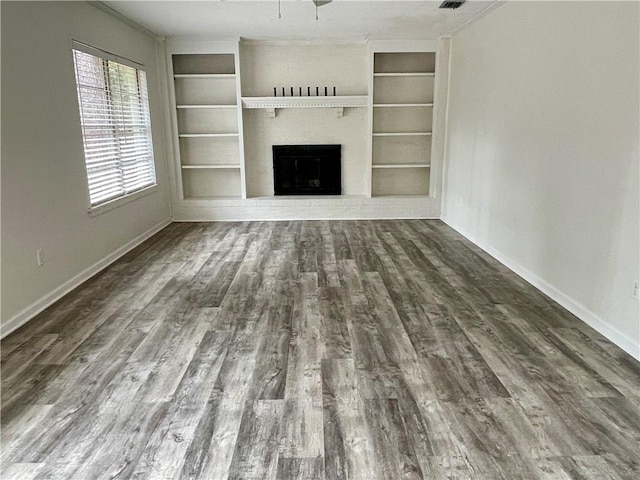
(317, 3)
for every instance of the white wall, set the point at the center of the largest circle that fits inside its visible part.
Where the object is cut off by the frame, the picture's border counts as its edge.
(542, 162)
(264, 66)
(44, 193)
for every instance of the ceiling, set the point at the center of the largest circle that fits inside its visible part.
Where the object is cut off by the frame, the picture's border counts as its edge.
(340, 19)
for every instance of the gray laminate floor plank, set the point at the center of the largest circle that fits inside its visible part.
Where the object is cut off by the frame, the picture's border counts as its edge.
(316, 350)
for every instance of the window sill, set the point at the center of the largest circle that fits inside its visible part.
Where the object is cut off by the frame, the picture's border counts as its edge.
(117, 202)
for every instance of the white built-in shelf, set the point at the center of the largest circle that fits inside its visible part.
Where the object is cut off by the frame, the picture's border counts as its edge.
(403, 104)
(205, 75)
(205, 87)
(211, 167)
(401, 165)
(209, 105)
(402, 117)
(208, 135)
(405, 74)
(402, 134)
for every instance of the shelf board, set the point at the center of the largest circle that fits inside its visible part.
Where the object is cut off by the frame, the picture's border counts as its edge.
(224, 166)
(405, 74)
(402, 165)
(403, 104)
(402, 195)
(205, 75)
(207, 135)
(306, 102)
(402, 134)
(210, 105)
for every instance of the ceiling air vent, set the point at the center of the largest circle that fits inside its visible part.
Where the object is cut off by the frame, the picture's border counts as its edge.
(452, 5)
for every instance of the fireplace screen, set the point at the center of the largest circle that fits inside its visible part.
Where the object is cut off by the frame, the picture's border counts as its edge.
(306, 170)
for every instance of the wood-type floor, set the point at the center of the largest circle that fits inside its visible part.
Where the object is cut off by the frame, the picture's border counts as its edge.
(314, 350)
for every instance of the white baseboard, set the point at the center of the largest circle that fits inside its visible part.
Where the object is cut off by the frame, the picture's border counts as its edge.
(38, 306)
(622, 340)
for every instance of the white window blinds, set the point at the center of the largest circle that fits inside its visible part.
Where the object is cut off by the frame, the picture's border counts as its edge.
(116, 127)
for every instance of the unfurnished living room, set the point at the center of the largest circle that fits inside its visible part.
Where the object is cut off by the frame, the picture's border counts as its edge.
(321, 240)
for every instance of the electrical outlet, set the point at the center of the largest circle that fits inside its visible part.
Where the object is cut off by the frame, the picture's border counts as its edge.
(40, 256)
(636, 287)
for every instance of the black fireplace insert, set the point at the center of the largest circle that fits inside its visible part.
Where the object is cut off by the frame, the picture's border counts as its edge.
(306, 170)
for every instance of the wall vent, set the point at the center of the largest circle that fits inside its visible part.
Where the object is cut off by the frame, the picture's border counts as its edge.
(452, 5)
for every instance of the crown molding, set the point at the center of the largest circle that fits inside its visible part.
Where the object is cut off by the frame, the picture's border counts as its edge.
(126, 20)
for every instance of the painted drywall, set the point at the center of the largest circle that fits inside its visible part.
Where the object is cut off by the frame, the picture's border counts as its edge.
(542, 151)
(44, 193)
(265, 66)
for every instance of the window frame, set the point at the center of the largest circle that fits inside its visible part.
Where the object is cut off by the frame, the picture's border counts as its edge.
(127, 197)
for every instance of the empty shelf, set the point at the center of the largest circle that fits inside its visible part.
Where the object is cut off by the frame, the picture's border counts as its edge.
(405, 74)
(402, 134)
(401, 165)
(207, 106)
(210, 135)
(205, 75)
(211, 167)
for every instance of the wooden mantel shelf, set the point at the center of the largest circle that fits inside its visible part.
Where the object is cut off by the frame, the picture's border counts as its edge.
(337, 102)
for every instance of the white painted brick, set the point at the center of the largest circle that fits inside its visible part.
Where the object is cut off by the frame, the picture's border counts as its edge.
(286, 208)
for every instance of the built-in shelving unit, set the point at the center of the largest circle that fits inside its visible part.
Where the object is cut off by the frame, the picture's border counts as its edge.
(208, 123)
(226, 117)
(402, 120)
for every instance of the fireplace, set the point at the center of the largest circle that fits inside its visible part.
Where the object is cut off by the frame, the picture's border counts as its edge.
(306, 170)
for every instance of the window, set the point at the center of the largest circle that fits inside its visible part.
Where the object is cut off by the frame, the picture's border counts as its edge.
(116, 127)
